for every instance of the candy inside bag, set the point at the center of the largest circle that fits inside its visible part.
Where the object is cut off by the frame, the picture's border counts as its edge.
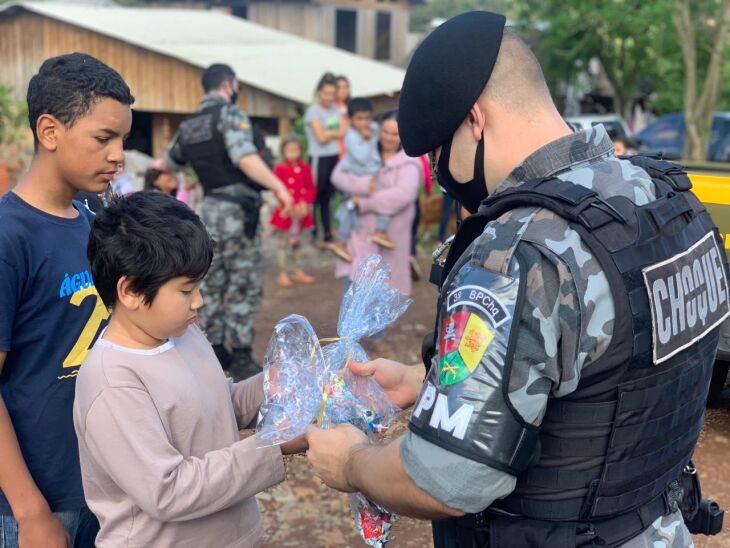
(305, 382)
(369, 305)
(373, 521)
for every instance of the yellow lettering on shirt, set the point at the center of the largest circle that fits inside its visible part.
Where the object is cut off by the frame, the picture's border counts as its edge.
(83, 344)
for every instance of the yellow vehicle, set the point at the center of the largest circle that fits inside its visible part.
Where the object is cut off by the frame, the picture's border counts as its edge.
(711, 184)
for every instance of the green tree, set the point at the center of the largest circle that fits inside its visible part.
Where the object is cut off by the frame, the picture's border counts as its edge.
(423, 14)
(624, 36)
(13, 118)
(673, 51)
(702, 30)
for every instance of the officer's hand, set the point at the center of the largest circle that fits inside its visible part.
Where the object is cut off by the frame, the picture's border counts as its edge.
(42, 531)
(401, 382)
(159, 164)
(286, 201)
(329, 453)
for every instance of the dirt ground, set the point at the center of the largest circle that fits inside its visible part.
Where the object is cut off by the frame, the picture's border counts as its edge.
(303, 512)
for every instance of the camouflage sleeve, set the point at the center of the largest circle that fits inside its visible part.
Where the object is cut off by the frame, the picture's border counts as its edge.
(573, 306)
(554, 342)
(666, 532)
(174, 156)
(235, 125)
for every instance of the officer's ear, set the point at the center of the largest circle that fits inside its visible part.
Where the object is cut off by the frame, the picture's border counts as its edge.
(476, 121)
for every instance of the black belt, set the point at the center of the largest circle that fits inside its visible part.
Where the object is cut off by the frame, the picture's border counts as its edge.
(609, 532)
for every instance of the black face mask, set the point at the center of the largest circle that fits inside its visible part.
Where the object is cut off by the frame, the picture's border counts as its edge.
(471, 193)
(234, 97)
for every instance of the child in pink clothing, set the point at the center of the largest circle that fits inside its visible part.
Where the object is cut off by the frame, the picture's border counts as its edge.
(162, 461)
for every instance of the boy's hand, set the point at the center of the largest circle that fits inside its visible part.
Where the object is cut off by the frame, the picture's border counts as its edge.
(400, 382)
(295, 446)
(367, 134)
(42, 531)
(373, 186)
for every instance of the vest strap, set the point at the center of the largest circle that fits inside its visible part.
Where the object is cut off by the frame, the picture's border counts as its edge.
(611, 532)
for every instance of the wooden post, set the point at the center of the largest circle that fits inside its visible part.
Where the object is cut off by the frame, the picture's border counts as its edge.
(161, 133)
(285, 126)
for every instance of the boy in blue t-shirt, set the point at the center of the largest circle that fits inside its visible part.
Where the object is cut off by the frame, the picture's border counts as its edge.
(50, 313)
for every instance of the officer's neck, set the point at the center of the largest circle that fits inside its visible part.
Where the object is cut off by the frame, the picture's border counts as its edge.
(220, 94)
(515, 140)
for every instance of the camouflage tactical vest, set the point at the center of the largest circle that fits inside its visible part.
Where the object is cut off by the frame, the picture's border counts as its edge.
(205, 149)
(629, 429)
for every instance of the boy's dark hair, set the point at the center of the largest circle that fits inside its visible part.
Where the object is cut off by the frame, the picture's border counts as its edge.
(359, 104)
(149, 237)
(67, 87)
(215, 75)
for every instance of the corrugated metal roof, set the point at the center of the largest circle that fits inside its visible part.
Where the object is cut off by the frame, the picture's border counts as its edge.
(267, 59)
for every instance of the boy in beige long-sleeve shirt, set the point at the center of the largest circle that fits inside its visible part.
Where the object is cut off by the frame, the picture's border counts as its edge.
(158, 424)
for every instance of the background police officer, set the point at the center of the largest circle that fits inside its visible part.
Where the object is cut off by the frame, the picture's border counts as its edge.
(551, 415)
(218, 142)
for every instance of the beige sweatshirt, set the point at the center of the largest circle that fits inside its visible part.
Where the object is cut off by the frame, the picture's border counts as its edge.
(161, 457)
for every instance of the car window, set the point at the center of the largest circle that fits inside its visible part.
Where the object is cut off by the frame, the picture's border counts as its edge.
(720, 128)
(719, 149)
(663, 132)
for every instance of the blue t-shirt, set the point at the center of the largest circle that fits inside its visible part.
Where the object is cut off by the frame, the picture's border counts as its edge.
(50, 315)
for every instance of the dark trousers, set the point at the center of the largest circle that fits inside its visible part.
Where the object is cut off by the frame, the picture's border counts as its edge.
(322, 169)
(448, 534)
(81, 525)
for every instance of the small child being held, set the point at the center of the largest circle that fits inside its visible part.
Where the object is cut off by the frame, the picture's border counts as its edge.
(158, 423)
(362, 157)
(297, 177)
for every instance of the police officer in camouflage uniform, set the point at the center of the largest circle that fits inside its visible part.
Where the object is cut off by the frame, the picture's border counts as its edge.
(218, 142)
(577, 324)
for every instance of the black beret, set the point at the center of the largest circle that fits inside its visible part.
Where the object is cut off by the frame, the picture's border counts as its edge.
(446, 75)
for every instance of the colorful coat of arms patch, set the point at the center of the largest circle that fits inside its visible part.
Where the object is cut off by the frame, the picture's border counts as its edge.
(464, 339)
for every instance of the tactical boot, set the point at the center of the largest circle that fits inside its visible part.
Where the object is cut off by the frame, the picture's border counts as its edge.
(243, 365)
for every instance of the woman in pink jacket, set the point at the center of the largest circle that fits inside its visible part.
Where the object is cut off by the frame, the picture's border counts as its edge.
(399, 178)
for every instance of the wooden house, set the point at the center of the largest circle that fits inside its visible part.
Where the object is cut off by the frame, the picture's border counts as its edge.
(161, 54)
